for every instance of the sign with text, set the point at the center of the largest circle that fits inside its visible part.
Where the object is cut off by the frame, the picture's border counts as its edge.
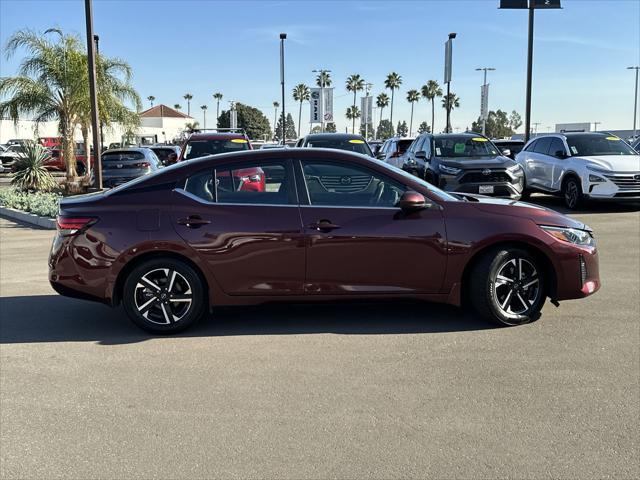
(327, 110)
(448, 49)
(484, 101)
(366, 109)
(315, 107)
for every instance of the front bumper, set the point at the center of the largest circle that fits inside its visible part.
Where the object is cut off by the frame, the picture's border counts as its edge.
(613, 186)
(578, 273)
(503, 183)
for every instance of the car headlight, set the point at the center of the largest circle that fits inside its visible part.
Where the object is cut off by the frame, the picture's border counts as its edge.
(596, 179)
(571, 235)
(449, 170)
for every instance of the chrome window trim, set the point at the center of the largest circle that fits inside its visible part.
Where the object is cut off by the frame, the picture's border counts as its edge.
(205, 202)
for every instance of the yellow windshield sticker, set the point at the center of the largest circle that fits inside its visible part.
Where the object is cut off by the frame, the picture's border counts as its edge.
(355, 140)
(479, 139)
(238, 140)
(613, 139)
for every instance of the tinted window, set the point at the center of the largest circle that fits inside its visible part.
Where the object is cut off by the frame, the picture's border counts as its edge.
(531, 146)
(556, 146)
(264, 183)
(542, 146)
(332, 184)
(202, 148)
(598, 144)
(403, 145)
(163, 153)
(453, 146)
(349, 144)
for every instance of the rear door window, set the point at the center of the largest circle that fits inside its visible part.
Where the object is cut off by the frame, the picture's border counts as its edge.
(556, 146)
(542, 146)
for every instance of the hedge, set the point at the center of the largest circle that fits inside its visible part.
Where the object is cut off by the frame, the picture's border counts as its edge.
(43, 204)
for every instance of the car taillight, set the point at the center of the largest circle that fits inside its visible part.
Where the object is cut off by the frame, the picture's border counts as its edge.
(143, 165)
(73, 225)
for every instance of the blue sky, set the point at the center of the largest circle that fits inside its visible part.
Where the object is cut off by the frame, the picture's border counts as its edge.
(580, 56)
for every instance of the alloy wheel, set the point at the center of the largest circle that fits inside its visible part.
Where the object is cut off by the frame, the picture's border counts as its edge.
(163, 296)
(516, 286)
(571, 194)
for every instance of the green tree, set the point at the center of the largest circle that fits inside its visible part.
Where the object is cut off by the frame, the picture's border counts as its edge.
(252, 120)
(188, 97)
(330, 127)
(354, 84)
(204, 116)
(412, 97)
(424, 128)
(515, 121)
(382, 101)
(367, 131)
(53, 84)
(430, 91)
(301, 93)
(289, 129)
(402, 130)
(217, 97)
(385, 130)
(392, 82)
(177, 106)
(497, 125)
(449, 102)
(353, 112)
(326, 76)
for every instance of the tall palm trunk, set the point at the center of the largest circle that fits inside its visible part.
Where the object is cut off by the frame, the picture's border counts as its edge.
(353, 125)
(217, 111)
(84, 129)
(433, 115)
(380, 121)
(411, 121)
(391, 116)
(299, 120)
(66, 131)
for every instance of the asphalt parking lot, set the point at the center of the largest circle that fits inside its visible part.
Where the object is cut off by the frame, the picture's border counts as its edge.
(335, 391)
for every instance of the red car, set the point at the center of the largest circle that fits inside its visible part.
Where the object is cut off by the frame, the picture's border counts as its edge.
(55, 160)
(328, 225)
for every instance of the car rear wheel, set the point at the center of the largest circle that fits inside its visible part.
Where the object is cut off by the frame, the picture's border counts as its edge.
(507, 287)
(572, 193)
(164, 296)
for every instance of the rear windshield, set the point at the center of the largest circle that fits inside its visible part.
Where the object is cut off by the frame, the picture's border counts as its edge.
(122, 156)
(458, 146)
(348, 144)
(591, 145)
(403, 145)
(202, 148)
(163, 153)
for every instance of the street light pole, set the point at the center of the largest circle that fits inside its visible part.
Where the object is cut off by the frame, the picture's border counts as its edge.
(635, 102)
(367, 89)
(527, 115)
(283, 36)
(96, 38)
(95, 128)
(486, 92)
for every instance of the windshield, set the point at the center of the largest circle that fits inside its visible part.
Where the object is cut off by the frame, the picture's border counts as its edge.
(349, 144)
(464, 146)
(202, 148)
(593, 145)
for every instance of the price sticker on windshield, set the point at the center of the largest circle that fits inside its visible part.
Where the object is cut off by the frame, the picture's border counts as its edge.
(238, 140)
(613, 139)
(479, 139)
(355, 140)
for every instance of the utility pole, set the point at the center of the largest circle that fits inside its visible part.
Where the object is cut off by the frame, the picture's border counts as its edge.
(527, 114)
(536, 125)
(484, 98)
(595, 126)
(96, 38)
(635, 102)
(91, 61)
(283, 36)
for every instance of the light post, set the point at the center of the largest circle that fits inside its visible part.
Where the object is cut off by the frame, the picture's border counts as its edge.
(91, 61)
(283, 36)
(448, 60)
(635, 102)
(96, 38)
(595, 126)
(322, 73)
(484, 98)
(536, 125)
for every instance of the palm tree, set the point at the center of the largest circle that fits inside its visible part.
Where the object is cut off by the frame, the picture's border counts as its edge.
(412, 97)
(323, 79)
(430, 91)
(382, 101)
(392, 82)
(301, 93)
(353, 113)
(188, 97)
(217, 96)
(151, 98)
(177, 106)
(191, 127)
(276, 105)
(53, 84)
(450, 101)
(354, 84)
(204, 116)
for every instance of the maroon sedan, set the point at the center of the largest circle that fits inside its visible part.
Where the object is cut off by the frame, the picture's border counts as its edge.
(327, 225)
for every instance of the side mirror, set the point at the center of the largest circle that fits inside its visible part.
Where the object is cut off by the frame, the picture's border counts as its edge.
(412, 202)
(560, 154)
(172, 158)
(421, 154)
(506, 152)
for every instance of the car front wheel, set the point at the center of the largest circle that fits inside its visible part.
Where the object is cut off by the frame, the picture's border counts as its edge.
(164, 296)
(572, 193)
(507, 287)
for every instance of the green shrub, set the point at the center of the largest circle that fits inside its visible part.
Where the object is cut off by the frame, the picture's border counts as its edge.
(43, 204)
(30, 172)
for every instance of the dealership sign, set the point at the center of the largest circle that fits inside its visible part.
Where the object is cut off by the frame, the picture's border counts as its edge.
(318, 112)
(315, 109)
(366, 109)
(530, 4)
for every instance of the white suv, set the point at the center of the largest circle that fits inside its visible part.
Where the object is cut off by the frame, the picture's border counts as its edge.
(582, 166)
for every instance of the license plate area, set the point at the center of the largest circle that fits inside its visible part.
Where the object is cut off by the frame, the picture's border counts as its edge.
(485, 189)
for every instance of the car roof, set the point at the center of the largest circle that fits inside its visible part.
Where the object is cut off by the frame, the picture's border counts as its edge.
(127, 149)
(461, 134)
(215, 135)
(338, 136)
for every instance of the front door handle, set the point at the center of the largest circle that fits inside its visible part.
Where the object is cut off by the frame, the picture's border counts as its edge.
(323, 226)
(193, 221)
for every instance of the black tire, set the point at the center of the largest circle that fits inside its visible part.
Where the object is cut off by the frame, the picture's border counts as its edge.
(158, 309)
(572, 193)
(525, 196)
(489, 293)
(428, 177)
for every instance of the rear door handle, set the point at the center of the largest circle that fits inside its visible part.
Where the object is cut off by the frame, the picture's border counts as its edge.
(193, 221)
(323, 226)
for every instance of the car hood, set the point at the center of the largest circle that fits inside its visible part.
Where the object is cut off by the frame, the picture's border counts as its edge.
(614, 163)
(475, 162)
(536, 213)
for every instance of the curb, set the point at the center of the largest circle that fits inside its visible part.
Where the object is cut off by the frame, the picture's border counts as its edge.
(28, 218)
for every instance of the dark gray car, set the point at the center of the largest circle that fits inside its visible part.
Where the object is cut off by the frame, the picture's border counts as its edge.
(124, 164)
(340, 141)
